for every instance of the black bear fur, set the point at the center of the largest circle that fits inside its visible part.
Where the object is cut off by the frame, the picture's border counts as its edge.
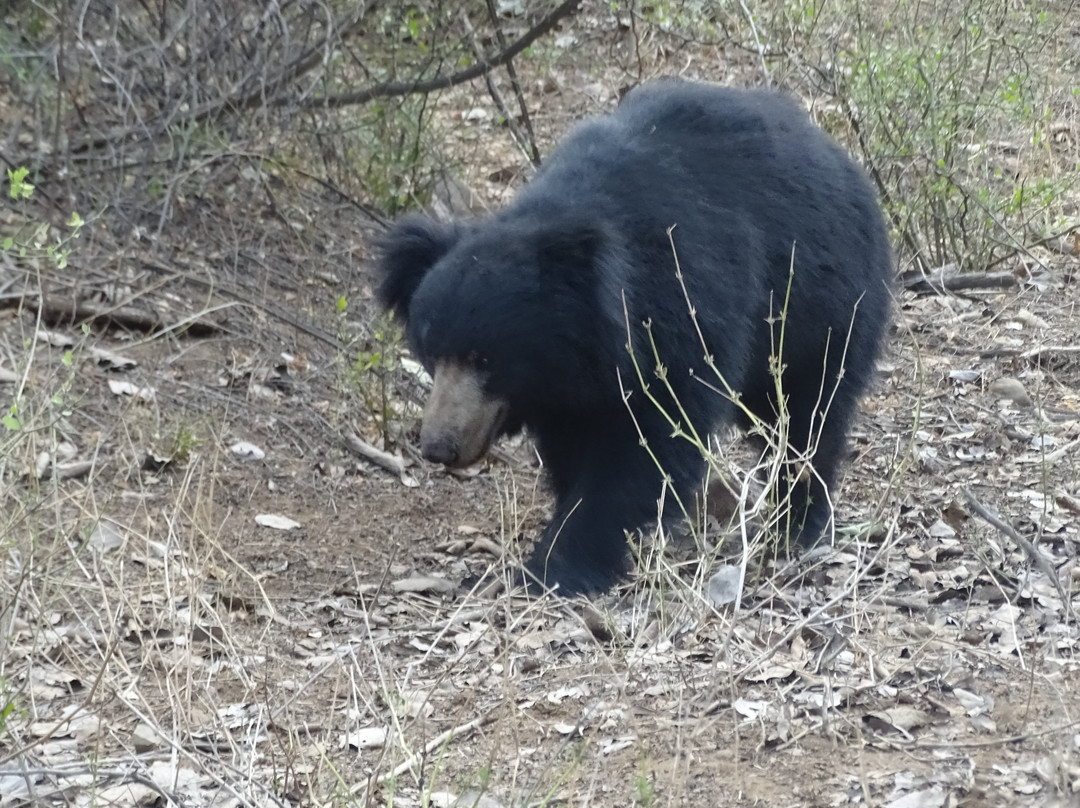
(535, 301)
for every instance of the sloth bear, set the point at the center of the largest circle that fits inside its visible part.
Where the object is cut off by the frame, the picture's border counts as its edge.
(693, 224)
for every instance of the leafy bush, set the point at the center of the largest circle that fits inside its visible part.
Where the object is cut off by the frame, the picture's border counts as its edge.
(944, 97)
(944, 100)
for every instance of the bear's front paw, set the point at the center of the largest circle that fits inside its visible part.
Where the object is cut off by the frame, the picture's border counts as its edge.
(566, 578)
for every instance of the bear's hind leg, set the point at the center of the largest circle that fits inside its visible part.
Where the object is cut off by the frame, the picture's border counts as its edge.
(816, 447)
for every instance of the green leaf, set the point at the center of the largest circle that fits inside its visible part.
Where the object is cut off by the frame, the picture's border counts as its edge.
(20, 189)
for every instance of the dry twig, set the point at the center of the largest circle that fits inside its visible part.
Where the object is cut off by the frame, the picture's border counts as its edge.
(357, 445)
(1030, 549)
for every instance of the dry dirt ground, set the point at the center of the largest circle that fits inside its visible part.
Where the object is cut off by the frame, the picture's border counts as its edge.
(165, 644)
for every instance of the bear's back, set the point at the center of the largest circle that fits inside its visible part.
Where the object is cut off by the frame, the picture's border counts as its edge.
(687, 146)
(689, 109)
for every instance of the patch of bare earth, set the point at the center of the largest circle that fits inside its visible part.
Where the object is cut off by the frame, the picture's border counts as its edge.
(166, 644)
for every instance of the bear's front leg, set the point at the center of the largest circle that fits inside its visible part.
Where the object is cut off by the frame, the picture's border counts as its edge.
(581, 552)
(607, 486)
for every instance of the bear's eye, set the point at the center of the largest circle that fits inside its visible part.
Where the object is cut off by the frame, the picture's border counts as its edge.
(477, 360)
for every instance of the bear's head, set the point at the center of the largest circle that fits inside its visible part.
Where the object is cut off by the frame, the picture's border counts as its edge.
(505, 316)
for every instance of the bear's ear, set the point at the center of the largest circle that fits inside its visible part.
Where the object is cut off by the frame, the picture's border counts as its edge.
(412, 248)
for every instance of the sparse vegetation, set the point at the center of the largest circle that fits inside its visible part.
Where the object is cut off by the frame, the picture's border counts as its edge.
(377, 377)
(955, 117)
(36, 396)
(160, 645)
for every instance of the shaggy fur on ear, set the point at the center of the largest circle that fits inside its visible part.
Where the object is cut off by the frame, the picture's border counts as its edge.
(412, 248)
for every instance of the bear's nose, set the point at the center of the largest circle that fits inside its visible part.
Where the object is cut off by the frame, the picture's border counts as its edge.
(439, 450)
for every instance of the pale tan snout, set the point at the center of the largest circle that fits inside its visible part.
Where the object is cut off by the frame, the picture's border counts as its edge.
(460, 419)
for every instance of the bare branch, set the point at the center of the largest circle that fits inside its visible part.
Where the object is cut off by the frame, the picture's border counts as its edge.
(944, 281)
(397, 88)
(1032, 552)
